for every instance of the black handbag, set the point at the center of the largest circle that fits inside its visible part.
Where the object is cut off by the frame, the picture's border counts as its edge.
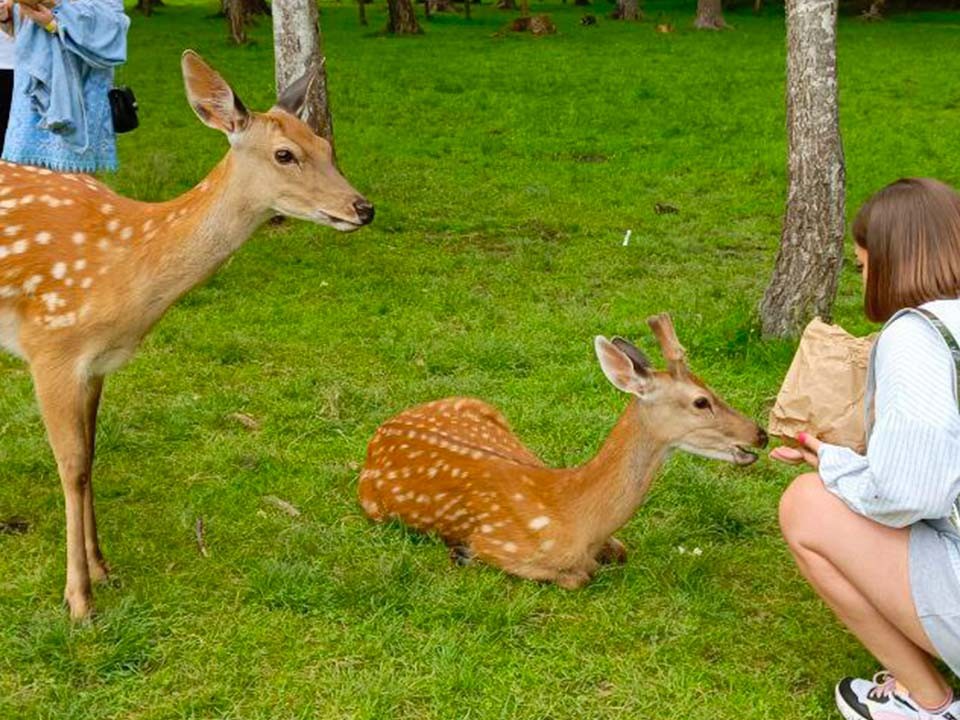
(123, 107)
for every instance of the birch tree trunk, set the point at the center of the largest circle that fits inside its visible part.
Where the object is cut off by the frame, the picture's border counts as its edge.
(709, 15)
(804, 281)
(402, 20)
(298, 46)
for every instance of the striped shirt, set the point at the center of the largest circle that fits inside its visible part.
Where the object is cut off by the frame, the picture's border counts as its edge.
(911, 471)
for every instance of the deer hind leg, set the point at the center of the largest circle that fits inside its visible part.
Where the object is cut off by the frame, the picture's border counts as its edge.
(612, 551)
(99, 570)
(461, 555)
(64, 403)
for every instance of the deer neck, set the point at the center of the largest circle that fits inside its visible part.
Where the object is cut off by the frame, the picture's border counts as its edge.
(610, 487)
(191, 236)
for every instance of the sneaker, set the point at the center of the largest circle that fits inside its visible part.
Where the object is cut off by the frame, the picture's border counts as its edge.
(883, 699)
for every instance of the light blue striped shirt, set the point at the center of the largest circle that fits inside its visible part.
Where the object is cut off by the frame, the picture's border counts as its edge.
(911, 471)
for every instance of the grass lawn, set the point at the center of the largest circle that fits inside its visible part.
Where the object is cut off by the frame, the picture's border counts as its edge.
(505, 171)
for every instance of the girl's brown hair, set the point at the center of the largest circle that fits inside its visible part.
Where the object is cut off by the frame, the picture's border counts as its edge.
(911, 232)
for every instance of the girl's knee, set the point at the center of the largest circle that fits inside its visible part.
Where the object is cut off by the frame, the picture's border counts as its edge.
(799, 507)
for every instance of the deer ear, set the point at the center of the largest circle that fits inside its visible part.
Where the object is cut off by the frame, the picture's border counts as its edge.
(625, 366)
(293, 98)
(211, 98)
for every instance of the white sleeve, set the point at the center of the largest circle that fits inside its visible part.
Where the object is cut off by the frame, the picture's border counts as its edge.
(911, 470)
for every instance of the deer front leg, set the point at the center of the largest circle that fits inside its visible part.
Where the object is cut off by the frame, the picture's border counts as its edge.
(612, 551)
(99, 570)
(64, 403)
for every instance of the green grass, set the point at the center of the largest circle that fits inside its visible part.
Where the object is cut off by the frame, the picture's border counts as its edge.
(505, 171)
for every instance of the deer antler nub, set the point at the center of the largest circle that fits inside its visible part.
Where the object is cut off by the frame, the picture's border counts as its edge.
(673, 351)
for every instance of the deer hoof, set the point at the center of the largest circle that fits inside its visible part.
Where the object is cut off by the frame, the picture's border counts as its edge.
(99, 571)
(572, 580)
(80, 606)
(461, 555)
(613, 551)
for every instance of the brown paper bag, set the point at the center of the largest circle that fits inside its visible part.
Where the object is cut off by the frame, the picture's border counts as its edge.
(824, 388)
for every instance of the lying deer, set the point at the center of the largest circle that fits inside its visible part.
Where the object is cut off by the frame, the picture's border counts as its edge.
(85, 274)
(454, 467)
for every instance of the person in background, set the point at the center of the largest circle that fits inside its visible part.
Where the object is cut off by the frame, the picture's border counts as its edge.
(6, 83)
(66, 51)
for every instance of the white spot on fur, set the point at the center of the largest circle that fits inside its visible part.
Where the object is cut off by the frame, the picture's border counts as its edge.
(79, 238)
(538, 523)
(31, 283)
(43, 238)
(53, 301)
(59, 270)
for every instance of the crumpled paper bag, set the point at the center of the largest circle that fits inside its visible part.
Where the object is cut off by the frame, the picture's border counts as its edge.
(823, 391)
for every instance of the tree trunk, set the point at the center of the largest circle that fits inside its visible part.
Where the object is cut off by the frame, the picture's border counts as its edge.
(402, 20)
(507, 5)
(147, 6)
(298, 46)
(627, 10)
(804, 281)
(237, 19)
(709, 15)
(466, 9)
(362, 9)
(524, 8)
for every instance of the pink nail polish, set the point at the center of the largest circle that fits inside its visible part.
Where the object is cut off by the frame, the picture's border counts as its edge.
(802, 438)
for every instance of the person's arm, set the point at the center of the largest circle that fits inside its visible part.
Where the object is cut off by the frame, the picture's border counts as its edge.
(6, 16)
(911, 470)
(95, 30)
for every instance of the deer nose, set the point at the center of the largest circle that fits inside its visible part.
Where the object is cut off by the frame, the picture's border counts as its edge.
(762, 438)
(364, 211)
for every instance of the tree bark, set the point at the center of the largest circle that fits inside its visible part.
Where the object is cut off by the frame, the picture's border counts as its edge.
(627, 10)
(298, 46)
(709, 15)
(237, 20)
(402, 20)
(808, 265)
(362, 9)
(147, 6)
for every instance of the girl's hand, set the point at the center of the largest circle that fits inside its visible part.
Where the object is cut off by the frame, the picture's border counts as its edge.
(806, 453)
(6, 10)
(40, 14)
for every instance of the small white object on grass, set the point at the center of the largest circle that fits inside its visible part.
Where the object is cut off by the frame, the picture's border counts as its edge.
(626, 237)
(681, 549)
(697, 551)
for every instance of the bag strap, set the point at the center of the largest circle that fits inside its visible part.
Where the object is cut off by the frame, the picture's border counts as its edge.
(954, 347)
(951, 342)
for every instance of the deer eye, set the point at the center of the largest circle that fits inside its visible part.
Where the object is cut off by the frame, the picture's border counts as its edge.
(702, 403)
(284, 156)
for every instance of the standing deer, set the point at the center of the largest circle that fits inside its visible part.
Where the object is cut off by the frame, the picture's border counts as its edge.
(85, 273)
(455, 468)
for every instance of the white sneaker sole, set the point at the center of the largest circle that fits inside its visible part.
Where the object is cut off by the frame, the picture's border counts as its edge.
(848, 712)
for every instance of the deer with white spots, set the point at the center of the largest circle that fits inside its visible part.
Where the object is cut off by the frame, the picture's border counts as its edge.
(453, 467)
(85, 273)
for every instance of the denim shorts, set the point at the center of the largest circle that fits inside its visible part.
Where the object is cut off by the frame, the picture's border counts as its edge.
(936, 589)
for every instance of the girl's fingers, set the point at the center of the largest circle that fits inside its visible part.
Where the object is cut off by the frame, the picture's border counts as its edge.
(809, 442)
(788, 455)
